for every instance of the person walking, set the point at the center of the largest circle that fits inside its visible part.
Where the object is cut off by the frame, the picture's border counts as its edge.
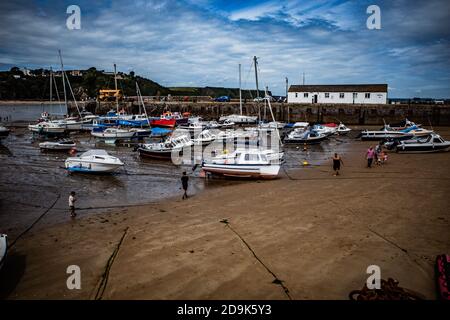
(72, 200)
(370, 155)
(184, 183)
(337, 160)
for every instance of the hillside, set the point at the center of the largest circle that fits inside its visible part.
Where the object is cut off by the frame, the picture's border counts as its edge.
(17, 84)
(215, 92)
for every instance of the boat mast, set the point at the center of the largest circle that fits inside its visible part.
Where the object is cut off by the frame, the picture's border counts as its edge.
(255, 62)
(115, 86)
(138, 91)
(267, 97)
(240, 90)
(51, 85)
(64, 83)
(287, 91)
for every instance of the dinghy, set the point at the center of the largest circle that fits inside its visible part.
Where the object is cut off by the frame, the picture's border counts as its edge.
(62, 145)
(163, 150)
(342, 129)
(245, 163)
(93, 161)
(47, 128)
(433, 143)
(304, 136)
(3, 249)
(113, 134)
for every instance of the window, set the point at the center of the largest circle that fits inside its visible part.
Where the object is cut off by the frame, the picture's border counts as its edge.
(296, 95)
(327, 94)
(341, 95)
(367, 96)
(305, 95)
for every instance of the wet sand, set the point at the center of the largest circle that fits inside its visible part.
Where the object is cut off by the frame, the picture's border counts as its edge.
(314, 232)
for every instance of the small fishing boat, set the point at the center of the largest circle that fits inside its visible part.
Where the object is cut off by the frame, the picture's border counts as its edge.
(325, 130)
(163, 150)
(416, 131)
(62, 145)
(46, 128)
(169, 120)
(301, 125)
(141, 132)
(4, 132)
(384, 133)
(3, 249)
(139, 120)
(113, 134)
(245, 163)
(342, 129)
(93, 161)
(432, 143)
(204, 138)
(402, 125)
(305, 136)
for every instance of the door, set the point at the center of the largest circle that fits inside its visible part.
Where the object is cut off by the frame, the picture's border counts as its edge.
(315, 98)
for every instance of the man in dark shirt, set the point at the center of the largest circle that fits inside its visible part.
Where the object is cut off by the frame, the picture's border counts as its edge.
(184, 182)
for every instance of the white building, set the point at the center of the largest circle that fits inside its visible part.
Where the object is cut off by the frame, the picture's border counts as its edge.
(345, 93)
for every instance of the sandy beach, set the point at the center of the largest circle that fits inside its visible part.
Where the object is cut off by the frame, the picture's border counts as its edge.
(313, 232)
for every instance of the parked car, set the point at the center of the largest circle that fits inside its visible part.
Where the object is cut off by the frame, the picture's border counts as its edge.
(222, 99)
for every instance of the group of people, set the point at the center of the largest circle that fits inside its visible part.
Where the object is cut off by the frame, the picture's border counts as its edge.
(376, 155)
(373, 155)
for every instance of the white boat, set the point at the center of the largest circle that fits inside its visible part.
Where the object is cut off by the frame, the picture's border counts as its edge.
(114, 134)
(93, 161)
(3, 249)
(204, 138)
(385, 133)
(342, 129)
(432, 143)
(163, 150)
(272, 125)
(417, 131)
(239, 119)
(227, 124)
(58, 145)
(46, 128)
(246, 163)
(301, 125)
(4, 132)
(301, 136)
(326, 131)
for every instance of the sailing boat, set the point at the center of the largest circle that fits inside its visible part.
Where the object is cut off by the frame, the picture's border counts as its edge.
(239, 118)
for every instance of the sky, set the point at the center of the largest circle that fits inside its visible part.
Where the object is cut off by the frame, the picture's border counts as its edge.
(202, 42)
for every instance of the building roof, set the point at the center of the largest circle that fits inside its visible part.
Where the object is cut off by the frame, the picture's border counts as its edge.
(340, 88)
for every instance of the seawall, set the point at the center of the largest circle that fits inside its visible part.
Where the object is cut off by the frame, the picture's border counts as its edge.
(353, 114)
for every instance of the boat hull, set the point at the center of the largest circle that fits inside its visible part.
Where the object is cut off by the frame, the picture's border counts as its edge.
(243, 171)
(163, 123)
(90, 167)
(417, 148)
(155, 154)
(303, 141)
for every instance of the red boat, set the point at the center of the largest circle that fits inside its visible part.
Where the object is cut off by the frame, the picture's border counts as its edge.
(163, 123)
(169, 120)
(330, 125)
